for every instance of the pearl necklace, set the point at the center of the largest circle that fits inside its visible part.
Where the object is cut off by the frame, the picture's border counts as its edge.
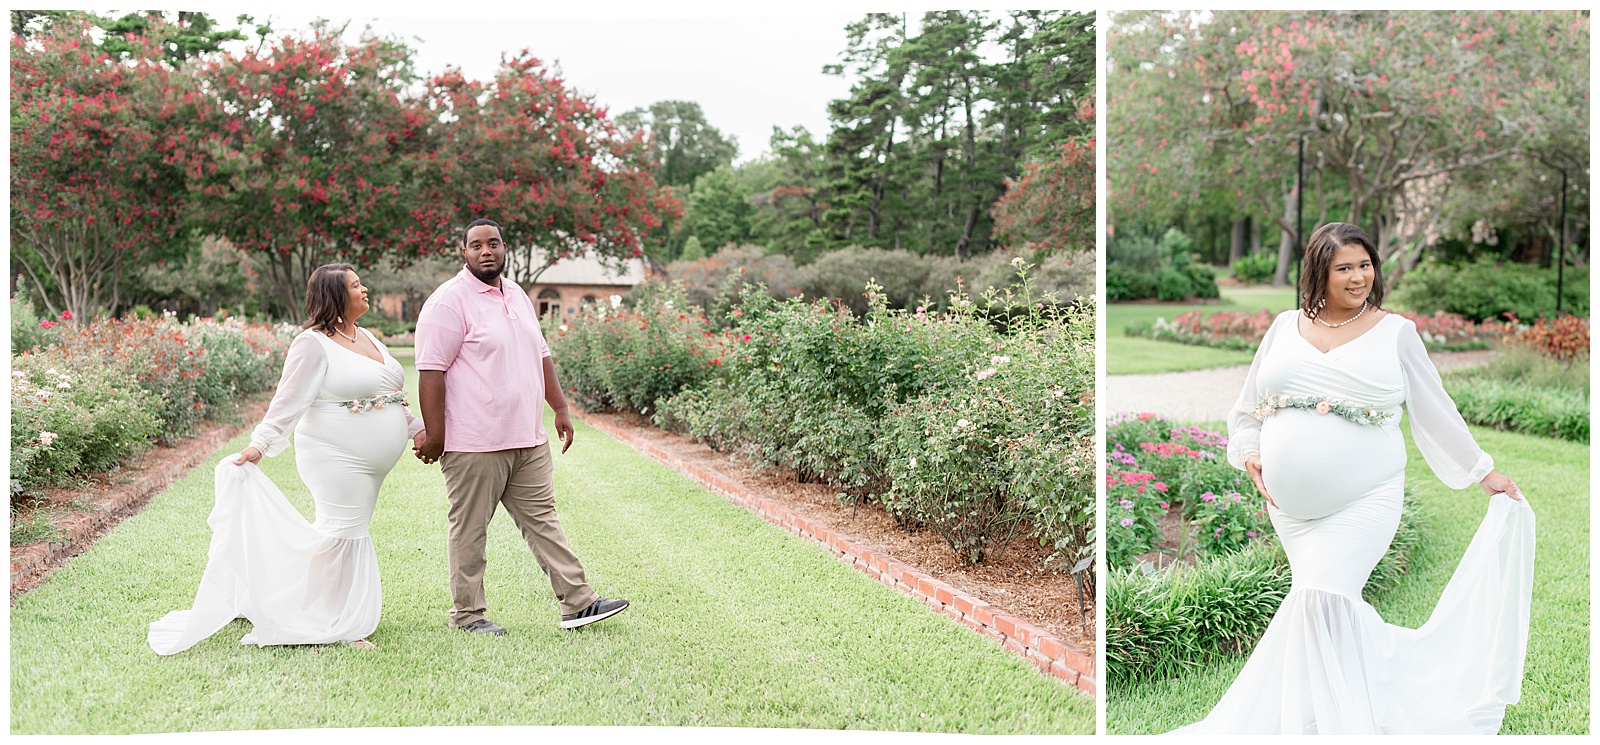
(353, 339)
(1351, 319)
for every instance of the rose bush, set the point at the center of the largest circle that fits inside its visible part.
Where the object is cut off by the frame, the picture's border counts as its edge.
(979, 435)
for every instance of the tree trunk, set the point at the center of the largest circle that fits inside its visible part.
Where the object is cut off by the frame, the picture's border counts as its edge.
(1236, 242)
(966, 230)
(1280, 278)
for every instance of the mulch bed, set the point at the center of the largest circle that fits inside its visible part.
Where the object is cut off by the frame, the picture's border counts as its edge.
(1012, 579)
(82, 514)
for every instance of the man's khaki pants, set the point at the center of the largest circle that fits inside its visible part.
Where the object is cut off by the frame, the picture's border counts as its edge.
(524, 481)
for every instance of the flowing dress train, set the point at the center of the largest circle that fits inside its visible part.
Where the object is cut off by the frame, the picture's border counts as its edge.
(299, 582)
(1328, 664)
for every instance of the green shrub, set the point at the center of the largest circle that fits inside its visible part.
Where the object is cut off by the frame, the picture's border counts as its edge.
(980, 436)
(631, 358)
(1123, 283)
(236, 360)
(732, 267)
(28, 331)
(973, 462)
(906, 279)
(1140, 266)
(1226, 522)
(70, 418)
(1256, 268)
(1487, 289)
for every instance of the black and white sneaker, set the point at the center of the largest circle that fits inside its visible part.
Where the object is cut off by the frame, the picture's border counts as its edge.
(599, 610)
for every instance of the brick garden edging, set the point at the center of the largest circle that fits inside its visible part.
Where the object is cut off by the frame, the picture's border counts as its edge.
(31, 564)
(1051, 654)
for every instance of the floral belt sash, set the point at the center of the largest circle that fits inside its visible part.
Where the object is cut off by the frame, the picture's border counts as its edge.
(359, 405)
(1353, 411)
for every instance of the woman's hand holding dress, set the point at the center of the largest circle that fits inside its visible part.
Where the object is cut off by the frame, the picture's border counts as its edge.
(1497, 482)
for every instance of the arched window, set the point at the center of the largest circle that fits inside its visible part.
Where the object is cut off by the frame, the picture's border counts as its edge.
(549, 302)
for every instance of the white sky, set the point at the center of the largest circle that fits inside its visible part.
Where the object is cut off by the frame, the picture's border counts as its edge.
(748, 74)
(750, 65)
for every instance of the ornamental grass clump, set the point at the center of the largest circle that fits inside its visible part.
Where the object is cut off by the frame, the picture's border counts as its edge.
(1537, 384)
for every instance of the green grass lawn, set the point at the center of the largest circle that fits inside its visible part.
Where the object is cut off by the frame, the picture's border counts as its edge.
(734, 623)
(1128, 355)
(1555, 688)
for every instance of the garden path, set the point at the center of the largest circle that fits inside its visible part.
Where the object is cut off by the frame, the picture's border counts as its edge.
(1206, 395)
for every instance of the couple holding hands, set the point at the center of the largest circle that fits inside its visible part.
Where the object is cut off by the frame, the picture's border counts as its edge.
(484, 376)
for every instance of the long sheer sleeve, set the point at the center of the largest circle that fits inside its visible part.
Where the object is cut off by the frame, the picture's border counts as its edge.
(303, 369)
(1244, 427)
(1437, 427)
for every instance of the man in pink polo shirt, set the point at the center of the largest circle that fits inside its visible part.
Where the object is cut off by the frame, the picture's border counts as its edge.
(485, 375)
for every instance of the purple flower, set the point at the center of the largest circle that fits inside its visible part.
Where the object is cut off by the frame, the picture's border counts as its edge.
(1127, 522)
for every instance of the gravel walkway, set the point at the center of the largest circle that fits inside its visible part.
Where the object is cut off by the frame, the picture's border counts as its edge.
(1206, 395)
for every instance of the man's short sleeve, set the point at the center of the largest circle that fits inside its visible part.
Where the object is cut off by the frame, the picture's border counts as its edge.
(440, 331)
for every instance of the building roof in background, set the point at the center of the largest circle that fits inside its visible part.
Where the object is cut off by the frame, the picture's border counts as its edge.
(581, 270)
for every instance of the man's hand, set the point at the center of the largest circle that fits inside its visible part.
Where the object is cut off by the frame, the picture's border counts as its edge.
(427, 450)
(564, 429)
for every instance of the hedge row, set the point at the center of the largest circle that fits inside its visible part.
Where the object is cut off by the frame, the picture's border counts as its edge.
(85, 397)
(978, 435)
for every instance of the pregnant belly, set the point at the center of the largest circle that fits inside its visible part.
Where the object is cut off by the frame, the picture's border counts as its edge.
(371, 441)
(1316, 464)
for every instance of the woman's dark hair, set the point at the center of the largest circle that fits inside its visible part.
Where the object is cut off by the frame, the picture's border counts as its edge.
(1320, 250)
(327, 298)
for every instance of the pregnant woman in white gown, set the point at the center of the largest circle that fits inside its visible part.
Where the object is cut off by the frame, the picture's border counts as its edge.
(1317, 428)
(298, 582)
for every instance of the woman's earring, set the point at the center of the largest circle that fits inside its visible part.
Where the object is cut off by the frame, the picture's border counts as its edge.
(340, 319)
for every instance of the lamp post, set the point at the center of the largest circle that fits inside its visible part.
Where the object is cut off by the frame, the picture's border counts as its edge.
(1299, 208)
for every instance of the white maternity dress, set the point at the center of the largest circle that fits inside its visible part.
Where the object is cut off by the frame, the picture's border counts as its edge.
(299, 582)
(1328, 664)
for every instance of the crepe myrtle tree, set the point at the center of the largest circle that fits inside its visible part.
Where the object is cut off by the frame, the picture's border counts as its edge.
(303, 152)
(1389, 102)
(1050, 208)
(544, 162)
(97, 146)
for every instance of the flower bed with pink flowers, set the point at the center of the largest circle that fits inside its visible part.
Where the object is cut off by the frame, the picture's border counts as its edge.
(1240, 330)
(1157, 470)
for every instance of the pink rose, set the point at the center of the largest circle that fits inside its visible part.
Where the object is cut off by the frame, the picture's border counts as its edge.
(1323, 408)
